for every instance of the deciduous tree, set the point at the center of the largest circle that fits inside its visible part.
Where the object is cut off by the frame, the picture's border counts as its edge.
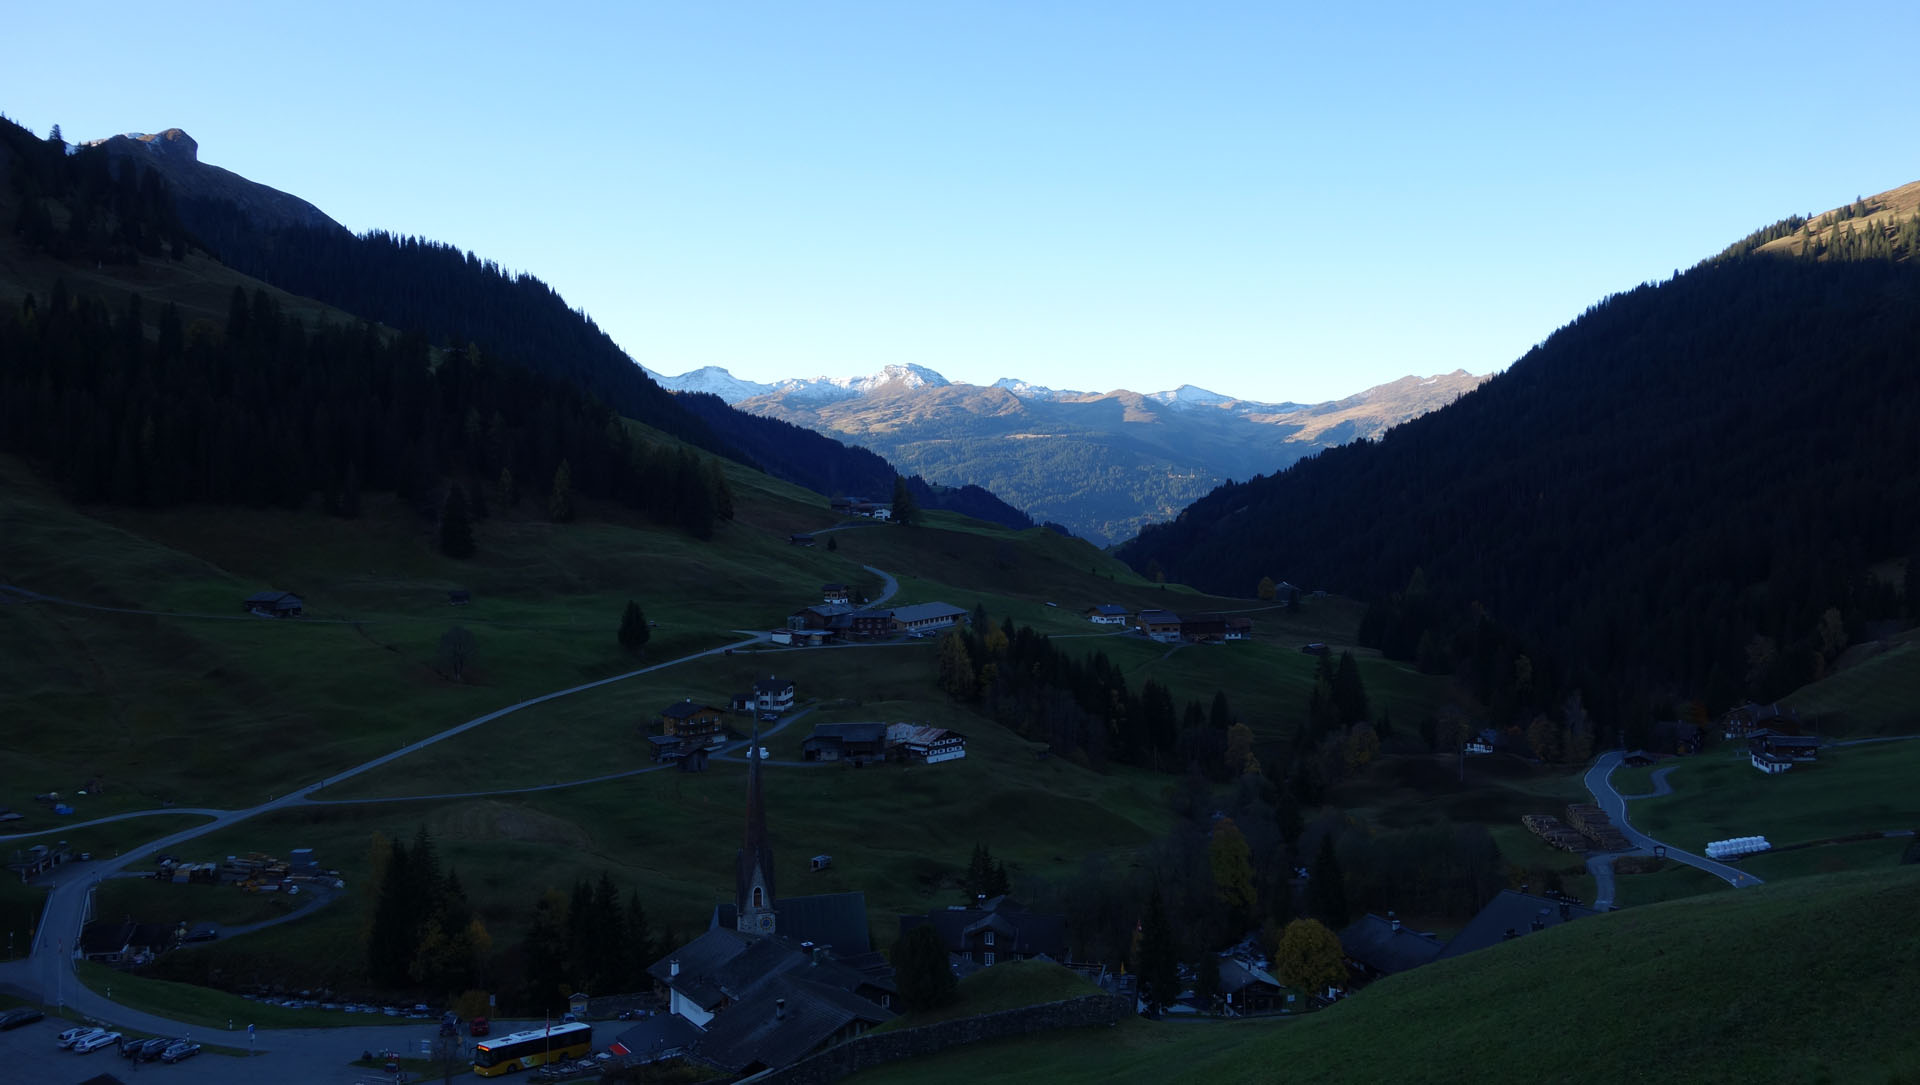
(1308, 957)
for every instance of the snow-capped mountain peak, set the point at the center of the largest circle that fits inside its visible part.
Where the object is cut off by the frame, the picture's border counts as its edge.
(1188, 395)
(1022, 390)
(714, 380)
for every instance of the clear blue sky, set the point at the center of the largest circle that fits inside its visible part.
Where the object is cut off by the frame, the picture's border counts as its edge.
(1269, 200)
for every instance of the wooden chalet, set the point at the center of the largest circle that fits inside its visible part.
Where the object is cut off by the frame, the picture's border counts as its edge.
(835, 593)
(925, 744)
(1773, 753)
(694, 723)
(855, 742)
(1160, 625)
(1108, 614)
(274, 604)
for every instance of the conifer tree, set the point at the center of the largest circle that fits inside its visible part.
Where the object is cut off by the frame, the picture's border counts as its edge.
(560, 499)
(921, 969)
(1329, 890)
(905, 509)
(456, 526)
(1156, 965)
(634, 631)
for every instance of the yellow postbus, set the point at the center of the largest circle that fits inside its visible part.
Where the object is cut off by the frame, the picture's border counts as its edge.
(534, 1047)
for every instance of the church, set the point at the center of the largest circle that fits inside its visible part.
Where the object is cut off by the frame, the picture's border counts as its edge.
(774, 979)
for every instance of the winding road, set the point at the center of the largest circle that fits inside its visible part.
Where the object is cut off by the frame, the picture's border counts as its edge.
(47, 972)
(1599, 782)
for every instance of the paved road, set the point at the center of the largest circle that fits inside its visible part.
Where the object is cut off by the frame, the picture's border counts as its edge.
(1601, 786)
(47, 971)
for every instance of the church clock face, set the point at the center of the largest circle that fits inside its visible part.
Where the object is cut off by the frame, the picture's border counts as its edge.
(766, 922)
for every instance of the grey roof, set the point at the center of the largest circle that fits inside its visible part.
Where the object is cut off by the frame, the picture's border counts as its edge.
(664, 740)
(826, 610)
(920, 612)
(681, 710)
(837, 920)
(888, 614)
(851, 732)
(1375, 943)
(1511, 911)
(1158, 616)
(1237, 976)
(782, 1021)
(722, 963)
(662, 1032)
(1110, 610)
(772, 684)
(1019, 931)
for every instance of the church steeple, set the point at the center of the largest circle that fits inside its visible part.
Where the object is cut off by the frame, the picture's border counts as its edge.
(753, 900)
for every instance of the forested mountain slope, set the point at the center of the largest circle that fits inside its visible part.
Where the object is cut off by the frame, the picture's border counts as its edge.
(450, 297)
(1664, 500)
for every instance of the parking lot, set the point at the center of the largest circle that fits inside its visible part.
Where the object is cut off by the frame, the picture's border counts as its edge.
(317, 1057)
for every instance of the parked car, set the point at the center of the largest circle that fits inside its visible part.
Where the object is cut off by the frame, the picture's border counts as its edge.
(76, 1034)
(24, 1015)
(179, 1049)
(96, 1041)
(155, 1047)
(480, 1026)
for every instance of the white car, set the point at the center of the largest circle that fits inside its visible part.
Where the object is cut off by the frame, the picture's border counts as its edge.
(76, 1034)
(95, 1042)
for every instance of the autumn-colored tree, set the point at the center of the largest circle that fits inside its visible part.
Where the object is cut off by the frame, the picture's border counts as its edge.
(1266, 588)
(1363, 744)
(1308, 957)
(1232, 863)
(1240, 759)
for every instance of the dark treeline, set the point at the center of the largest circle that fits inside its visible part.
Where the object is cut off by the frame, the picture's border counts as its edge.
(447, 295)
(266, 411)
(87, 206)
(1678, 497)
(1082, 707)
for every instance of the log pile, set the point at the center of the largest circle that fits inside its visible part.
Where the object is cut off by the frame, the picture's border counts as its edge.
(1593, 823)
(1554, 833)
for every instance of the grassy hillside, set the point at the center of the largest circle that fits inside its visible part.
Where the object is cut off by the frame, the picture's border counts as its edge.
(1801, 982)
(1879, 695)
(1851, 789)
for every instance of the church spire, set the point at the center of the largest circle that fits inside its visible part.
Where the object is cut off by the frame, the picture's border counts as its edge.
(753, 903)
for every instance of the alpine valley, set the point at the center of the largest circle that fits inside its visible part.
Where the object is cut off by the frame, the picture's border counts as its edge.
(1101, 464)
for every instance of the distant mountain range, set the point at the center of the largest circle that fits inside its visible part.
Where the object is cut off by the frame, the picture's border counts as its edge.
(1100, 463)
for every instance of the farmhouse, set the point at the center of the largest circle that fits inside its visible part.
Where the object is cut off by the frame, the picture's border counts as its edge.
(1215, 628)
(800, 538)
(835, 593)
(1773, 753)
(1107, 614)
(1160, 625)
(1247, 988)
(772, 695)
(1748, 718)
(922, 618)
(274, 604)
(993, 930)
(866, 624)
(925, 744)
(856, 742)
(693, 723)
(828, 617)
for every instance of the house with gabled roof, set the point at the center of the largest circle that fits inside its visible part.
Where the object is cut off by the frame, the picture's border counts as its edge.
(693, 723)
(274, 604)
(922, 618)
(856, 742)
(1512, 914)
(1160, 625)
(1375, 946)
(1108, 614)
(835, 593)
(993, 930)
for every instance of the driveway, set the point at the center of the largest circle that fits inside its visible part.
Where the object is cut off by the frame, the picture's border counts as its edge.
(1599, 783)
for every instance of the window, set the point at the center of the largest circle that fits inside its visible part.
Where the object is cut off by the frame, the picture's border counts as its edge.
(759, 897)
(989, 937)
(987, 959)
